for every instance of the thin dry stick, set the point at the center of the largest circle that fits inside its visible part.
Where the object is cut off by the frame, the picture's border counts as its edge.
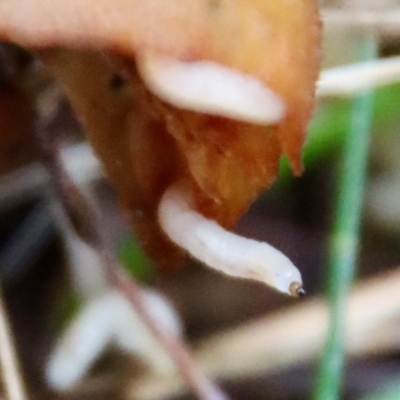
(85, 222)
(348, 80)
(12, 379)
(383, 19)
(28, 182)
(190, 371)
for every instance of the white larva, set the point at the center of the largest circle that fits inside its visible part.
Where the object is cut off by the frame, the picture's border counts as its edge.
(222, 250)
(210, 88)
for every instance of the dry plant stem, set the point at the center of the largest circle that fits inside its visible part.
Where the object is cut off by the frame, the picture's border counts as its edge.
(348, 80)
(85, 222)
(28, 182)
(11, 375)
(386, 19)
(191, 372)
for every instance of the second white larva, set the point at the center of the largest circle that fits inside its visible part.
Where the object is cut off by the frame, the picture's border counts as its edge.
(207, 87)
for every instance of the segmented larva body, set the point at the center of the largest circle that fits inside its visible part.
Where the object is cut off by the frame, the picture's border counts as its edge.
(209, 88)
(222, 250)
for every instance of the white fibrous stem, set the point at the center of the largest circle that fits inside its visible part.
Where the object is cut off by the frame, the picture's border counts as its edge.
(80, 345)
(210, 88)
(222, 250)
(110, 319)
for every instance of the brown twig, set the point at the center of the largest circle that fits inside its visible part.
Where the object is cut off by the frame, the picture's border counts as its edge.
(87, 227)
(189, 369)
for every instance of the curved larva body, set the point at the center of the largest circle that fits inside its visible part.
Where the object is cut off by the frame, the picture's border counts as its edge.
(210, 88)
(222, 250)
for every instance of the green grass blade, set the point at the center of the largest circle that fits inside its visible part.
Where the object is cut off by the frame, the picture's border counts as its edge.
(345, 234)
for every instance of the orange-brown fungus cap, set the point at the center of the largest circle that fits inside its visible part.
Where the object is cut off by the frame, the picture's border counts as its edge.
(146, 144)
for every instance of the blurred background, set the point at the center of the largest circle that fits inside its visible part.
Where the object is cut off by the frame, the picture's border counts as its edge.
(260, 344)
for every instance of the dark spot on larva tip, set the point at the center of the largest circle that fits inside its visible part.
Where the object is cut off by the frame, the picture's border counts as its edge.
(117, 81)
(301, 292)
(296, 289)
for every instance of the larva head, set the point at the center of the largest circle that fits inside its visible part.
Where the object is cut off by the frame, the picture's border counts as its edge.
(296, 289)
(287, 279)
(267, 264)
